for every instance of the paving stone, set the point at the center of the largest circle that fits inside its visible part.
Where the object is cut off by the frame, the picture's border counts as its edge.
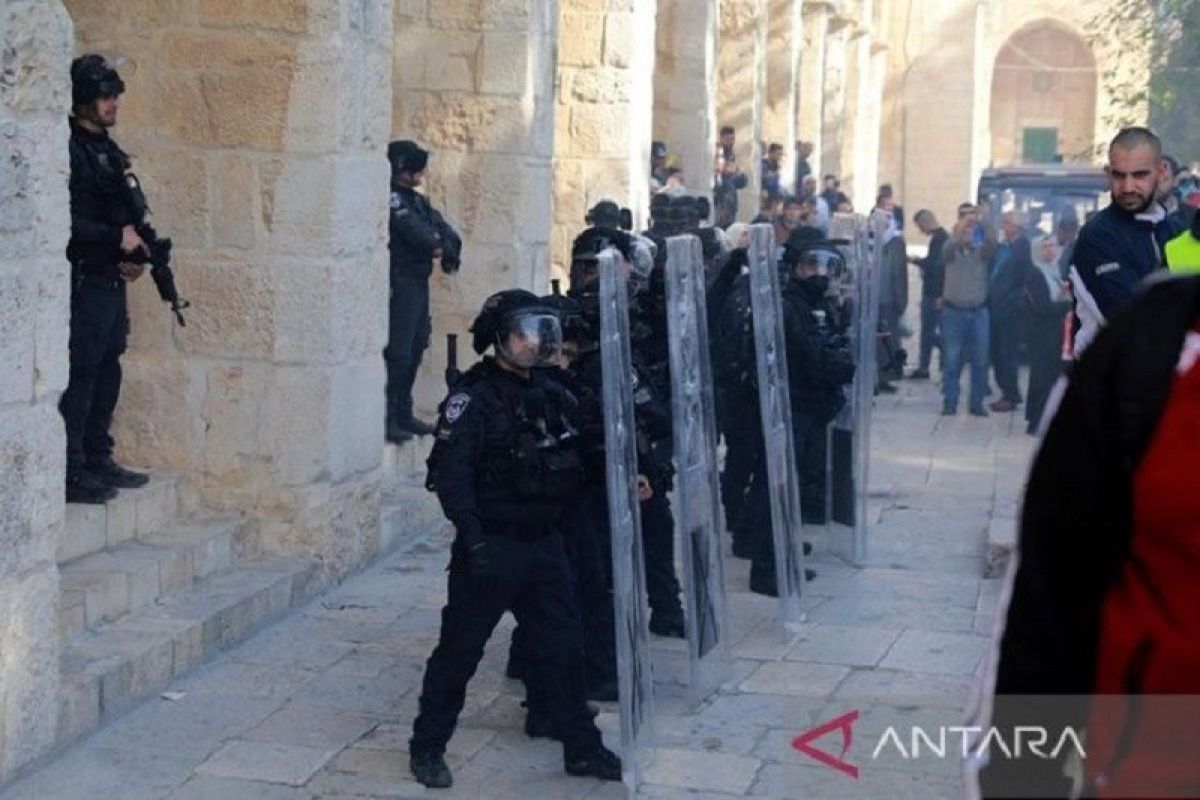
(936, 652)
(313, 727)
(793, 780)
(689, 769)
(203, 787)
(793, 678)
(851, 645)
(261, 761)
(896, 687)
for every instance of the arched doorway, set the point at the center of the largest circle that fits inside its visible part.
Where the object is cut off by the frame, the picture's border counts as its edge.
(1043, 96)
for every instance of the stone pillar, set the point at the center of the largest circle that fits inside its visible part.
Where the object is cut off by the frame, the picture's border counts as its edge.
(603, 114)
(836, 78)
(474, 84)
(259, 130)
(742, 88)
(685, 87)
(811, 106)
(785, 43)
(35, 37)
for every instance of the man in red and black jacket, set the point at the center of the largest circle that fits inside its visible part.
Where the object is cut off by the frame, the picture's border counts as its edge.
(1105, 606)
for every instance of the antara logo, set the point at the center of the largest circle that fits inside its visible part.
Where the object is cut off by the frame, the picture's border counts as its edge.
(973, 740)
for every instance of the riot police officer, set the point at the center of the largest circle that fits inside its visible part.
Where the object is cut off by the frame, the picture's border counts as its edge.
(502, 473)
(417, 236)
(819, 365)
(102, 248)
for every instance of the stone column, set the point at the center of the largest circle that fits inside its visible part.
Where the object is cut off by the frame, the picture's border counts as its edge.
(785, 43)
(474, 84)
(811, 102)
(836, 79)
(259, 130)
(603, 114)
(34, 96)
(685, 87)
(742, 88)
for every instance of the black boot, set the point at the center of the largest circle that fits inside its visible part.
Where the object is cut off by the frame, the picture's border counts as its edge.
(668, 623)
(113, 474)
(598, 762)
(762, 581)
(429, 769)
(84, 487)
(395, 434)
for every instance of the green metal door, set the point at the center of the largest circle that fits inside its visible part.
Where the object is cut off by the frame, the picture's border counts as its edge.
(1039, 145)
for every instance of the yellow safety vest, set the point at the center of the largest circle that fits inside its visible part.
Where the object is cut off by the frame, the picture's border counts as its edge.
(1183, 254)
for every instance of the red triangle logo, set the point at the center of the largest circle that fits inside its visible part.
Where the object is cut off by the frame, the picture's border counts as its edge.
(844, 723)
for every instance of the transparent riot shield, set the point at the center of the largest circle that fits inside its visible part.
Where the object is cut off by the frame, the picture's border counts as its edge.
(776, 412)
(635, 680)
(850, 434)
(698, 514)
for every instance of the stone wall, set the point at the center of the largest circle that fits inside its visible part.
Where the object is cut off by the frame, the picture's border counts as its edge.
(259, 130)
(781, 115)
(604, 100)
(474, 83)
(685, 75)
(35, 40)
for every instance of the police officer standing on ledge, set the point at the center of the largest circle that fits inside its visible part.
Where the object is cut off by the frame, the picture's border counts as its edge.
(417, 236)
(102, 245)
(503, 466)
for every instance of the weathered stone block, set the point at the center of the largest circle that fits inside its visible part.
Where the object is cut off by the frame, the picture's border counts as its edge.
(246, 108)
(32, 456)
(504, 64)
(226, 49)
(453, 64)
(233, 307)
(50, 363)
(18, 304)
(120, 519)
(619, 39)
(78, 707)
(158, 420)
(599, 130)
(356, 417)
(280, 15)
(83, 531)
(294, 427)
(584, 46)
(236, 202)
(601, 85)
(29, 609)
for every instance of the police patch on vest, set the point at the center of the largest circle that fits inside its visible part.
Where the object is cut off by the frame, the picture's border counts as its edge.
(394, 202)
(455, 406)
(1111, 266)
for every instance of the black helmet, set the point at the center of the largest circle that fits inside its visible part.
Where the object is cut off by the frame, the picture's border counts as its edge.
(407, 156)
(92, 78)
(517, 312)
(605, 214)
(575, 326)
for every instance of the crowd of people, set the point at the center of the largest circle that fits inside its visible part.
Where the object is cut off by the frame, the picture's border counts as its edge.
(519, 462)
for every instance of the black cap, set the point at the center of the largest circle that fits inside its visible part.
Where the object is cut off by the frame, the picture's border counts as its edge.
(658, 149)
(605, 214)
(92, 78)
(495, 310)
(407, 156)
(806, 238)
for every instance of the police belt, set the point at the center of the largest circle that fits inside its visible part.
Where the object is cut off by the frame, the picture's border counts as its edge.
(100, 282)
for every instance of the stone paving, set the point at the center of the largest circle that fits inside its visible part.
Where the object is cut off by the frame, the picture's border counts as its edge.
(320, 705)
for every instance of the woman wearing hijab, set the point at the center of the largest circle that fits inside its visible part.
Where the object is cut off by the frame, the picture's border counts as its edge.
(1047, 301)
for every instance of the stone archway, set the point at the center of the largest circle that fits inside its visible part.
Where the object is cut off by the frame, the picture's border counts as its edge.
(1044, 89)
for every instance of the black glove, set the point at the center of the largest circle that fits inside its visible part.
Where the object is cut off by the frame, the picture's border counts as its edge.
(481, 558)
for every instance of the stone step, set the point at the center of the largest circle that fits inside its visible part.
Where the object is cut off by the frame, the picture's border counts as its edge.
(103, 586)
(404, 465)
(408, 514)
(132, 513)
(107, 670)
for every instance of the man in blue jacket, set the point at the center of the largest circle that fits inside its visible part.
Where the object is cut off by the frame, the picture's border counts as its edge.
(417, 236)
(1127, 241)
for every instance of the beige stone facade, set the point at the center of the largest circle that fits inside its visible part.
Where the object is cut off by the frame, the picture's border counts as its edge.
(259, 129)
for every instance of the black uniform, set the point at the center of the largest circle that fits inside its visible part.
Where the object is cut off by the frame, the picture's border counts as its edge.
(502, 481)
(416, 230)
(100, 207)
(819, 365)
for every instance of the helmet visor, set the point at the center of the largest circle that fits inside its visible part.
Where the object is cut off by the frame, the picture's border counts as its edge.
(531, 339)
(821, 262)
